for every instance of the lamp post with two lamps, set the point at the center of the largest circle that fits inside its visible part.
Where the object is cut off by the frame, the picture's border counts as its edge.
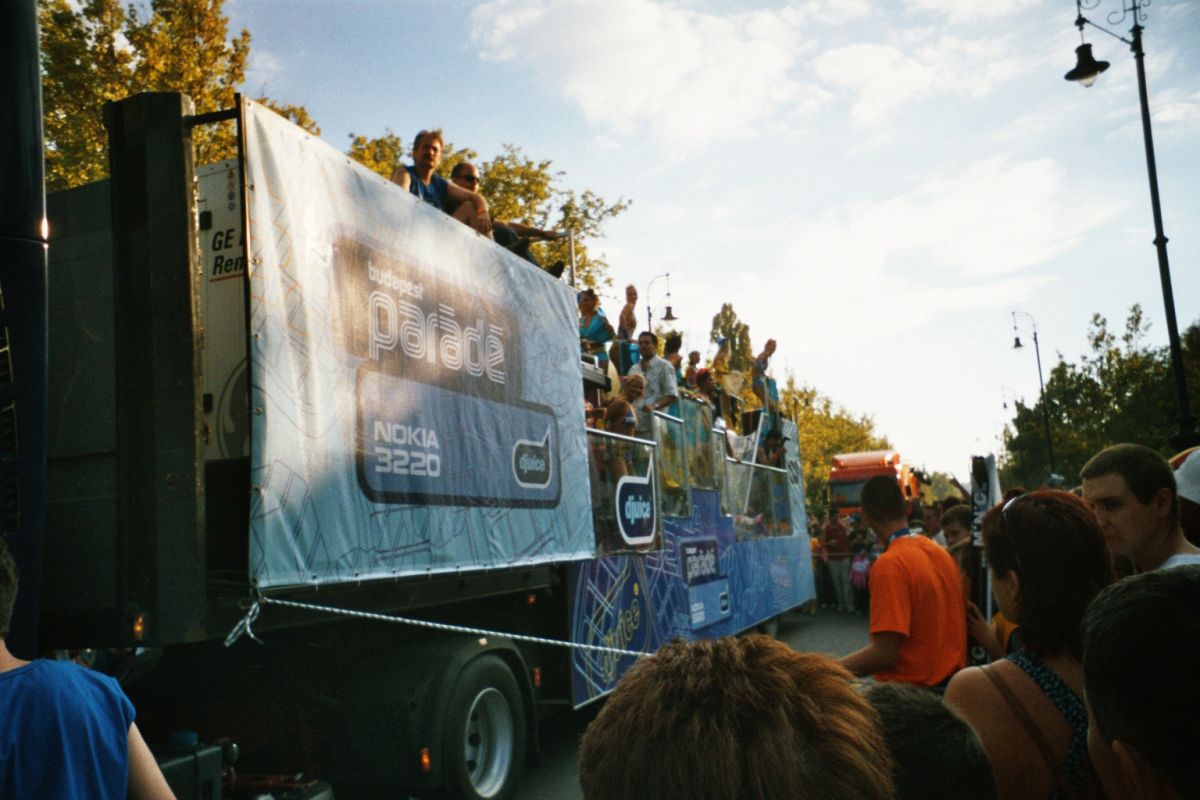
(1041, 383)
(1086, 70)
(668, 317)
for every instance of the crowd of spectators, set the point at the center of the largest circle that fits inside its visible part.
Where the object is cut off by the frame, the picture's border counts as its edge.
(1089, 693)
(750, 717)
(621, 351)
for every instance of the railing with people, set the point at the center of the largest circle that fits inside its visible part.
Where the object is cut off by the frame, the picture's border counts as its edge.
(687, 453)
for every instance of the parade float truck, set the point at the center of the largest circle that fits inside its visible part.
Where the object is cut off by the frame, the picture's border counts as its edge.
(320, 485)
(851, 470)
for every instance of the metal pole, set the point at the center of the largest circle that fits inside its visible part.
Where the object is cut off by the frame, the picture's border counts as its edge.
(1037, 351)
(23, 316)
(1187, 435)
(571, 254)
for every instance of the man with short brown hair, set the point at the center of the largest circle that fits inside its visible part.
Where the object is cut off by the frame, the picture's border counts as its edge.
(1131, 490)
(422, 181)
(918, 621)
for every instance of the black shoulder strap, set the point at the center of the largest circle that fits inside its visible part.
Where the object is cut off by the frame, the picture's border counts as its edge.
(1035, 734)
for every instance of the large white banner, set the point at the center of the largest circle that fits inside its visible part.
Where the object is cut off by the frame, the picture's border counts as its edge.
(415, 394)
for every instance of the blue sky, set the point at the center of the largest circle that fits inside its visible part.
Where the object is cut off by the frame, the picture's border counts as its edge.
(876, 185)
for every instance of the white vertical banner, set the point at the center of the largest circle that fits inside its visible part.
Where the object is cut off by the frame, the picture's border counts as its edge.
(415, 394)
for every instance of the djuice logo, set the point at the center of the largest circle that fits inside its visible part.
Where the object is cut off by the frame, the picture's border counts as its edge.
(618, 637)
(532, 463)
(638, 509)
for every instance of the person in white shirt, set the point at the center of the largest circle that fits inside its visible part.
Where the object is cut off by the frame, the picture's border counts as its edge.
(660, 391)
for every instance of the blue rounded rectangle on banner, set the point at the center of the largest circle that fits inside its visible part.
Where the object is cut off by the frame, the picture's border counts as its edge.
(426, 445)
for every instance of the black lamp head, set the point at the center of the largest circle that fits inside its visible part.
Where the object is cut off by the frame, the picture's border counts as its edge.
(1017, 343)
(1087, 68)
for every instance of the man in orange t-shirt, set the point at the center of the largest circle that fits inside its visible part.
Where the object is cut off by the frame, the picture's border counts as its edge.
(918, 621)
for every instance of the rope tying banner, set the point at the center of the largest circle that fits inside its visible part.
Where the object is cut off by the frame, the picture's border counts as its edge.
(244, 626)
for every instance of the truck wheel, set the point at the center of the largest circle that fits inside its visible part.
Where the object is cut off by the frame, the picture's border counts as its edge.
(485, 732)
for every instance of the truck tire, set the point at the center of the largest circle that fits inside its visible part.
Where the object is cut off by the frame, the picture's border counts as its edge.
(485, 734)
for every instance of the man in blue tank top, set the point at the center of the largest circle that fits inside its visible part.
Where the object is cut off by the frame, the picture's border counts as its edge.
(422, 181)
(66, 732)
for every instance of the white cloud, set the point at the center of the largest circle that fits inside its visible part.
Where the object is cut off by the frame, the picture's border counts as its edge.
(962, 11)
(688, 77)
(949, 244)
(1173, 107)
(845, 11)
(884, 78)
(262, 69)
(692, 78)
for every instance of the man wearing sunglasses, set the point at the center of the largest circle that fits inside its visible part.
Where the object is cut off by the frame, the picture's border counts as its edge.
(1131, 490)
(512, 235)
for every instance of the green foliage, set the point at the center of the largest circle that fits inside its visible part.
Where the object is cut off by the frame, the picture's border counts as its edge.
(183, 46)
(584, 214)
(84, 65)
(940, 486)
(1122, 390)
(518, 188)
(381, 155)
(106, 50)
(726, 324)
(297, 115)
(825, 429)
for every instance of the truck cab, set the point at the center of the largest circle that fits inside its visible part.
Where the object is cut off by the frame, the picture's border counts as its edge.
(851, 470)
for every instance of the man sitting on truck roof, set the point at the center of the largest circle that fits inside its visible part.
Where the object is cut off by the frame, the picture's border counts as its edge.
(66, 731)
(511, 235)
(918, 626)
(422, 181)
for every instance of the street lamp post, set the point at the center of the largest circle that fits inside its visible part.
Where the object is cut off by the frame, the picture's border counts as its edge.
(1086, 70)
(1041, 383)
(668, 317)
(1007, 391)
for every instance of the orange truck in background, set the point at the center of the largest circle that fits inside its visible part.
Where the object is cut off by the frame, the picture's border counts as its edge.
(851, 470)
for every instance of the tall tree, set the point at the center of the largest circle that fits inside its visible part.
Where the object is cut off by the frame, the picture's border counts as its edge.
(825, 429)
(380, 154)
(726, 325)
(1121, 390)
(85, 63)
(102, 50)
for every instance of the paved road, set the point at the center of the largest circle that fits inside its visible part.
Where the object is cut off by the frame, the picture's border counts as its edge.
(557, 777)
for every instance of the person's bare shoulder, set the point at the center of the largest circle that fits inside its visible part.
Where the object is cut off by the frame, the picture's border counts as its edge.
(966, 687)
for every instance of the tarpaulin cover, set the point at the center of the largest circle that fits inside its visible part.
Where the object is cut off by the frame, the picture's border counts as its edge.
(415, 389)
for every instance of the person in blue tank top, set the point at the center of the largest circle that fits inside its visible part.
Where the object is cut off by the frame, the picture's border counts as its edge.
(66, 732)
(421, 180)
